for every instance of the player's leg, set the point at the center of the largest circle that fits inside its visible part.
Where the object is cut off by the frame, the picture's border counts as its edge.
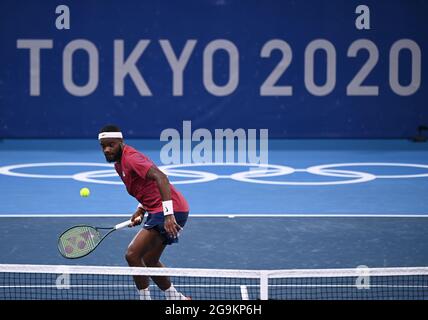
(146, 249)
(151, 259)
(142, 243)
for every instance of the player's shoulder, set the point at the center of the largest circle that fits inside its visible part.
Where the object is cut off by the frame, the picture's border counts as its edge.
(133, 154)
(129, 151)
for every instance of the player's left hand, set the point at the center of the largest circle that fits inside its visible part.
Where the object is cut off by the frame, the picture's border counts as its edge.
(171, 226)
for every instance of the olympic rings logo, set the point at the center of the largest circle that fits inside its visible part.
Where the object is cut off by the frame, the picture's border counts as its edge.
(255, 173)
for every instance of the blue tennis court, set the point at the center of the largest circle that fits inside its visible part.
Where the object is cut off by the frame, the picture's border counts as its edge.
(307, 221)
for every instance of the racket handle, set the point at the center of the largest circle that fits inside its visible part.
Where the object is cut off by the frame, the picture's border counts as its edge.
(122, 224)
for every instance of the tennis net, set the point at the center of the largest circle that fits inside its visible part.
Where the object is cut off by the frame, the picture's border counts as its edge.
(52, 282)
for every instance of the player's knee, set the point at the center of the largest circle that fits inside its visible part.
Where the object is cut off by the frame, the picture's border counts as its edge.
(132, 257)
(151, 262)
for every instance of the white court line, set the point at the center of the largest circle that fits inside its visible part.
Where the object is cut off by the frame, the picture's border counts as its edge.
(224, 215)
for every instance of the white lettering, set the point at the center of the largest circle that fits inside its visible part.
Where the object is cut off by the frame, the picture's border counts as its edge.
(363, 20)
(268, 88)
(63, 20)
(170, 152)
(415, 52)
(67, 76)
(363, 280)
(202, 151)
(178, 310)
(177, 65)
(35, 46)
(230, 136)
(63, 281)
(208, 73)
(328, 48)
(124, 67)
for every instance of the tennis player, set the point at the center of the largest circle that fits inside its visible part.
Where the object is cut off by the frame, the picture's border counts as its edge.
(167, 209)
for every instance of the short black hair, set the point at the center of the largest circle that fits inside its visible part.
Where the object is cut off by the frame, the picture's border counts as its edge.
(110, 128)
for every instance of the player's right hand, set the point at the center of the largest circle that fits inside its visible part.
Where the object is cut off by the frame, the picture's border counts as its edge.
(137, 218)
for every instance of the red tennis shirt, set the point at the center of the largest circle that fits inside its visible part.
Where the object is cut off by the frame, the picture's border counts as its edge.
(132, 169)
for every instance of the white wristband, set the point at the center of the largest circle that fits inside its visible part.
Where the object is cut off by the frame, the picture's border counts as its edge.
(167, 208)
(140, 206)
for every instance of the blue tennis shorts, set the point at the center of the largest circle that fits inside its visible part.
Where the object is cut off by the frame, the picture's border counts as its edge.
(156, 221)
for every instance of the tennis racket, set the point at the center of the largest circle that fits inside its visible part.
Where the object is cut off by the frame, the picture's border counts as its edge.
(79, 241)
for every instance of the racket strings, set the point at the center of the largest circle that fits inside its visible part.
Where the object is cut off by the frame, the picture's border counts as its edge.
(78, 241)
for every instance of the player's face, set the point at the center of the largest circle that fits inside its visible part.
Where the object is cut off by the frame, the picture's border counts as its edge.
(112, 149)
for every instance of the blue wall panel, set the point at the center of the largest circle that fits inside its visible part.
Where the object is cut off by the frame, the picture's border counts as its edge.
(247, 26)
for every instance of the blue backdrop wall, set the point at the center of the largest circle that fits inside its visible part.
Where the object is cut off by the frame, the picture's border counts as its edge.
(298, 68)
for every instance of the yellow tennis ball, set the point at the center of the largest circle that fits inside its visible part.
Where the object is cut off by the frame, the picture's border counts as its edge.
(84, 192)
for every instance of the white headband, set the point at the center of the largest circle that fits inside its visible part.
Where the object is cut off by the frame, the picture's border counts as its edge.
(105, 135)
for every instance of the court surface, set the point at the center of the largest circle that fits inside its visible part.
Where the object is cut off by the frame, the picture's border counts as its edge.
(319, 204)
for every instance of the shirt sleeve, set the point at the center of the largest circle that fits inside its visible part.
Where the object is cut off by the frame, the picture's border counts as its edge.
(140, 165)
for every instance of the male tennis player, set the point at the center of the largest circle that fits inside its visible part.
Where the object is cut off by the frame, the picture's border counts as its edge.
(166, 207)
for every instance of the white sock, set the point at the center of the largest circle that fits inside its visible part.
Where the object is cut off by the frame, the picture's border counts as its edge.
(172, 294)
(145, 294)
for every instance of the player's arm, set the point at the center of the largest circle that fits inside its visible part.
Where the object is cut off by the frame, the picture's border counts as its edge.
(162, 182)
(171, 226)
